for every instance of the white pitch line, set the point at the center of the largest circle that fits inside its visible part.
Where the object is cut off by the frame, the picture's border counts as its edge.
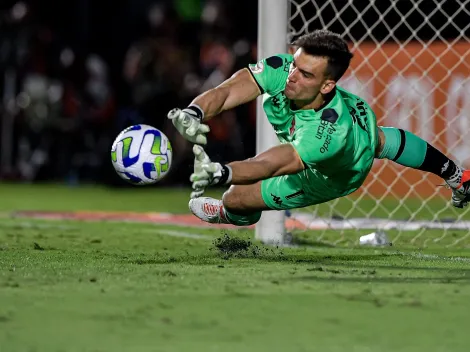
(435, 256)
(38, 225)
(30, 225)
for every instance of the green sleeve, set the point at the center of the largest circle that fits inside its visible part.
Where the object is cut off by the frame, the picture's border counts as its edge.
(271, 73)
(319, 142)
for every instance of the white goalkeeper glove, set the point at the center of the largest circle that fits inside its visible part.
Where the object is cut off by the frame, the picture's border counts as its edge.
(188, 123)
(206, 173)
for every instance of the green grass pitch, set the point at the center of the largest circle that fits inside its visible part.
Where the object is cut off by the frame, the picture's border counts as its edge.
(117, 286)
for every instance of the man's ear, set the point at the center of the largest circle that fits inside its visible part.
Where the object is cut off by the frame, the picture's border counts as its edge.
(327, 86)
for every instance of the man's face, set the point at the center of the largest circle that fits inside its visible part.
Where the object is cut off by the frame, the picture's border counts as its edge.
(307, 77)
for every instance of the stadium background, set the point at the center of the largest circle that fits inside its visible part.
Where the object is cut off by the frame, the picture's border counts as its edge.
(109, 268)
(74, 74)
(84, 70)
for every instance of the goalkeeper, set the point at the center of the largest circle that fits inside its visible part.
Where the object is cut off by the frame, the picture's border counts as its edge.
(329, 137)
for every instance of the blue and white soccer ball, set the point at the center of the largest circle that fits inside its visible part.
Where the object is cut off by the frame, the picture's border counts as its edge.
(141, 154)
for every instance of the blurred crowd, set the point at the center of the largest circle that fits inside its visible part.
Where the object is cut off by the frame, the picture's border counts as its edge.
(75, 73)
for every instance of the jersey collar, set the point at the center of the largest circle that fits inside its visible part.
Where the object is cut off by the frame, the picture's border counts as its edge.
(328, 99)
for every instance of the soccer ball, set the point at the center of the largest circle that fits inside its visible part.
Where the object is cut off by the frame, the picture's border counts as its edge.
(141, 155)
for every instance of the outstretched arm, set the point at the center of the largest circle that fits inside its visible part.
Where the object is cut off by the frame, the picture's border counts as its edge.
(276, 161)
(237, 90)
(280, 160)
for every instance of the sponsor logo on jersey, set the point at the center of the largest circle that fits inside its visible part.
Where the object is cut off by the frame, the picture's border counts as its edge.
(329, 128)
(287, 65)
(326, 144)
(279, 101)
(324, 126)
(359, 115)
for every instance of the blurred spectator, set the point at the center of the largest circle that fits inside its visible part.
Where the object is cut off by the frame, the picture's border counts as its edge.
(85, 70)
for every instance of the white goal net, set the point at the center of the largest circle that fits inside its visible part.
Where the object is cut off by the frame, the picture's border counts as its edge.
(411, 63)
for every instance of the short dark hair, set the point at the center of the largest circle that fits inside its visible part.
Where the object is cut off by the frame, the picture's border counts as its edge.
(323, 42)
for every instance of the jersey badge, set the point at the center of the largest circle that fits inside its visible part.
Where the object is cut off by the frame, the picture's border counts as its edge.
(257, 68)
(292, 127)
(329, 115)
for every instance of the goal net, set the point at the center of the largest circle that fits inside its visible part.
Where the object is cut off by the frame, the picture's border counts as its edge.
(411, 64)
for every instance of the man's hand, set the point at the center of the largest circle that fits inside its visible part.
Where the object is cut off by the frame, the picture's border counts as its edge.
(206, 173)
(200, 178)
(188, 123)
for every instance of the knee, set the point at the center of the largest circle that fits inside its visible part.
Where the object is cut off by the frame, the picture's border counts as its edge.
(243, 199)
(380, 142)
(230, 200)
(236, 212)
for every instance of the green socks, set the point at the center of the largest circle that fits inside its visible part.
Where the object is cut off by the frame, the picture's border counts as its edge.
(242, 220)
(403, 147)
(407, 149)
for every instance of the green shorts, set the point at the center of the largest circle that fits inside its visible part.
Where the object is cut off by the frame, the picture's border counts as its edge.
(289, 192)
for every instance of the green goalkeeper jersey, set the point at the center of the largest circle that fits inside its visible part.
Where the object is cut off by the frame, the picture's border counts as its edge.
(336, 142)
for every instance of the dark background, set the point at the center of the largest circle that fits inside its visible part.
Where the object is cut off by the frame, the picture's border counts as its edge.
(74, 73)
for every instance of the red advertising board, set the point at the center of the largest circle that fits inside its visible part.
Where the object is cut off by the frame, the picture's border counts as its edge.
(420, 87)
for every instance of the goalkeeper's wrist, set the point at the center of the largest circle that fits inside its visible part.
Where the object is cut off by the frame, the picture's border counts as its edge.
(226, 175)
(195, 111)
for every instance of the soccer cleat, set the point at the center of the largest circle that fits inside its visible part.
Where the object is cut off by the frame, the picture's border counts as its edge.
(209, 210)
(461, 194)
